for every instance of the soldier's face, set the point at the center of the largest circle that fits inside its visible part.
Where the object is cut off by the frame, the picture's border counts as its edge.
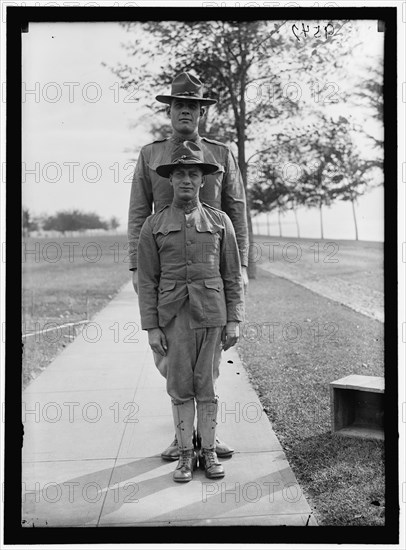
(186, 182)
(185, 115)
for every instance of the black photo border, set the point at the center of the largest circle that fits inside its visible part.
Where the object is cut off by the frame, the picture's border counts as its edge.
(18, 21)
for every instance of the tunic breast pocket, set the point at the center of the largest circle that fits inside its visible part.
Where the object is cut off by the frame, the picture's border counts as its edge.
(208, 239)
(169, 240)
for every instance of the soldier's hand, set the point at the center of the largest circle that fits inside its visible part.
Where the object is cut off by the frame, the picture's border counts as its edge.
(245, 281)
(135, 280)
(230, 335)
(157, 341)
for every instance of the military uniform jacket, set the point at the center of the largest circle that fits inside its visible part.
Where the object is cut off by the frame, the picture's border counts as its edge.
(223, 190)
(193, 257)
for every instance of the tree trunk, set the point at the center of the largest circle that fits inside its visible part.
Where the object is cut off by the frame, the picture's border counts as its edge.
(279, 222)
(355, 219)
(240, 123)
(258, 226)
(297, 222)
(203, 125)
(268, 225)
(321, 220)
(252, 268)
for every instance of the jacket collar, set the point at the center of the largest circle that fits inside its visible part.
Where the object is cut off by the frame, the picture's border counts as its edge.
(172, 219)
(179, 140)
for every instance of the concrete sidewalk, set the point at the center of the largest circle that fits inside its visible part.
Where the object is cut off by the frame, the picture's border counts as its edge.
(97, 419)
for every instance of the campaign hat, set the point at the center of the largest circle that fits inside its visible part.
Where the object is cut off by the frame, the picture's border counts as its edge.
(186, 86)
(187, 154)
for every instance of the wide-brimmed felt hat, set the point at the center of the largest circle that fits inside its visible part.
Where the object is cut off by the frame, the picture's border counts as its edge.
(188, 153)
(186, 86)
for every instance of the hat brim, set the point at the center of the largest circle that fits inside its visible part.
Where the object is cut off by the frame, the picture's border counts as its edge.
(168, 99)
(165, 169)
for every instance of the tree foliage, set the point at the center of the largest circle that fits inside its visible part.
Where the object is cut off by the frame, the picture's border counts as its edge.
(29, 224)
(272, 186)
(370, 94)
(114, 223)
(234, 59)
(314, 166)
(73, 220)
(260, 73)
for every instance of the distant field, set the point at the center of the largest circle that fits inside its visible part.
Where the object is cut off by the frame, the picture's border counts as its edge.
(359, 261)
(66, 279)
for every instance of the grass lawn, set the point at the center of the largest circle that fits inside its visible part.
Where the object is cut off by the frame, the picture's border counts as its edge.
(66, 279)
(294, 344)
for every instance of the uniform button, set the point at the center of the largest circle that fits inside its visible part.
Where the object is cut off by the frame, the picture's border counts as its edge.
(189, 281)
(189, 262)
(188, 225)
(189, 243)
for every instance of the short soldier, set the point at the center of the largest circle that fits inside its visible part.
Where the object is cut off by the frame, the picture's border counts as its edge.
(224, 189)
(191, 301)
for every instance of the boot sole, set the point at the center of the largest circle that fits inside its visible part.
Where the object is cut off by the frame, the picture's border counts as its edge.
(182, 480)
(215, 476)
(169, 458)
(224, 455)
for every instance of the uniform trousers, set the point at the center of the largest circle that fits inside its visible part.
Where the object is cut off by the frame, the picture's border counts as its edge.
(191, 364)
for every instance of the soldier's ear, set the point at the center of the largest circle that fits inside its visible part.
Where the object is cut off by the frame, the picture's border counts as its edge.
(202, 111)
(168, 111)
(203, 181)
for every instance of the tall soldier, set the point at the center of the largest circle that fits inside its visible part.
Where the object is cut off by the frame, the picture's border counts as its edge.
(224, 189)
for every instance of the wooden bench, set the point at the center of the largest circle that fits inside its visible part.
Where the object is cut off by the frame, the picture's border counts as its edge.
(357, 406)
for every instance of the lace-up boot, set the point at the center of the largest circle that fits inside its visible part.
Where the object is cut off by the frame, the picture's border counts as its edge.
(206, 421)
(183, 417)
